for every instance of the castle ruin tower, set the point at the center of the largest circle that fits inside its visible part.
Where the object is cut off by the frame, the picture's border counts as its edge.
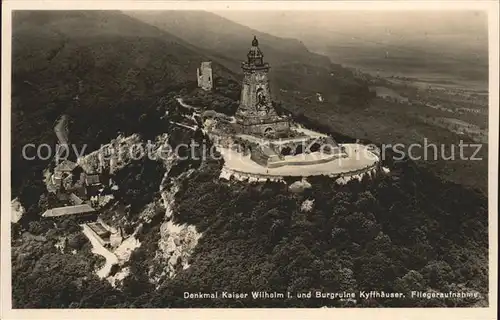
(204, 76)
(256, 114)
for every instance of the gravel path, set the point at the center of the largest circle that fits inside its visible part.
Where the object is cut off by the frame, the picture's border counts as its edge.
(99, 249)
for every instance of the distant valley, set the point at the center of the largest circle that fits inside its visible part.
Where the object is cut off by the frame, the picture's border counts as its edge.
(447, 48)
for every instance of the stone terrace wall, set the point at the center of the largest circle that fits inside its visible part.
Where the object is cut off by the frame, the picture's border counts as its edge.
(341, 178)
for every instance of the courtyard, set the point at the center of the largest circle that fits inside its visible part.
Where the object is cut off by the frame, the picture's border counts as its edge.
(359, 157)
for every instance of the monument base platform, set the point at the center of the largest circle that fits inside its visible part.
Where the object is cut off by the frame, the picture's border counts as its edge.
(357, 158)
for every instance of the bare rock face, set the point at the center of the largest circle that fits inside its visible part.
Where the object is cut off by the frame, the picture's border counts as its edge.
(17, 210)
(299, 186)
(126, 248)
(176, 246)
(161, 151)
(169, 188)
(307, 205)
(177, 242)
(117, 279)
(61, 129)
(168, 200)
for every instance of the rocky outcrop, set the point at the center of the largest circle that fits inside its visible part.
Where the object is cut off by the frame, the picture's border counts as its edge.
(227, 174)
(307, 205)
(358, 175)
(176, 245)
(177, 241)
(169, 188)
(126, 248)
(117, 279)
(61, 129)
(299, 186)
(17, 210)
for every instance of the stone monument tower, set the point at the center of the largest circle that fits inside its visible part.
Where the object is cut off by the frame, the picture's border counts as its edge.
(256, 114)
(204, 74)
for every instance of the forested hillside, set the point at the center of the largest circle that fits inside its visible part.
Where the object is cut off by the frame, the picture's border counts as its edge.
(293, 66)
(405, 232)
(102, 69)
(400, 233)
(215, 33)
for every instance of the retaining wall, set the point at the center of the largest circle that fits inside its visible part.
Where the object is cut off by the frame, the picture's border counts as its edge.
(343, 177)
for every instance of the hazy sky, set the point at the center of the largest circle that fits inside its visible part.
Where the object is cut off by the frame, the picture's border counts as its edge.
(463, 32)
(456, 28)
(293, 22)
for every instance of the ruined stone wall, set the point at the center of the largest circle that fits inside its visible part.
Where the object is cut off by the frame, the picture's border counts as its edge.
(204, 74)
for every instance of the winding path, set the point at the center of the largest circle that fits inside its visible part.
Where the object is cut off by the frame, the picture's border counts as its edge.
(194, 128)
(185, 105)
(99, 249)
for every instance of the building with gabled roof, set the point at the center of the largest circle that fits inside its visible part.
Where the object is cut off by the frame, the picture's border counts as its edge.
(83, 211)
